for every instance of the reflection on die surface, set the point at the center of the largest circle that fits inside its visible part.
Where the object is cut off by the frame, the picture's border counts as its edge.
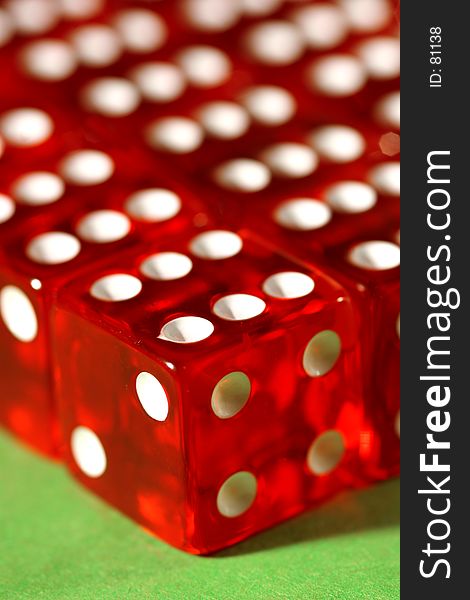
(199, 253)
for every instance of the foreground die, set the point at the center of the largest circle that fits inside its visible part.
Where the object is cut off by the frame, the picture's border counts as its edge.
(208, 388)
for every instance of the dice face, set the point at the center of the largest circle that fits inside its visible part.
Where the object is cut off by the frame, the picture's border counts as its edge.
(199, 231)
(29, 273)
(127, 450)
(93, 195)
(196, 335)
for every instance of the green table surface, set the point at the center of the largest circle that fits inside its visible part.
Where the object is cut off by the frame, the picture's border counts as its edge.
(57, 541)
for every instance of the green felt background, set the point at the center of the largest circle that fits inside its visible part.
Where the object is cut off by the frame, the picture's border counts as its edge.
(58, 542)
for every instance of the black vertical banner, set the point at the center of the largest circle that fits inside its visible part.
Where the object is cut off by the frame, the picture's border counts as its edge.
(435, 313)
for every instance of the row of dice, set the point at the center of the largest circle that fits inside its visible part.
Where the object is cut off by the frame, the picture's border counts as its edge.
(232, 357)
(192, 363)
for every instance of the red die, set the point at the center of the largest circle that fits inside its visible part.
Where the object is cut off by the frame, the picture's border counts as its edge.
(43, 246)
(191, 381)
(309, 214)
(369, 270)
